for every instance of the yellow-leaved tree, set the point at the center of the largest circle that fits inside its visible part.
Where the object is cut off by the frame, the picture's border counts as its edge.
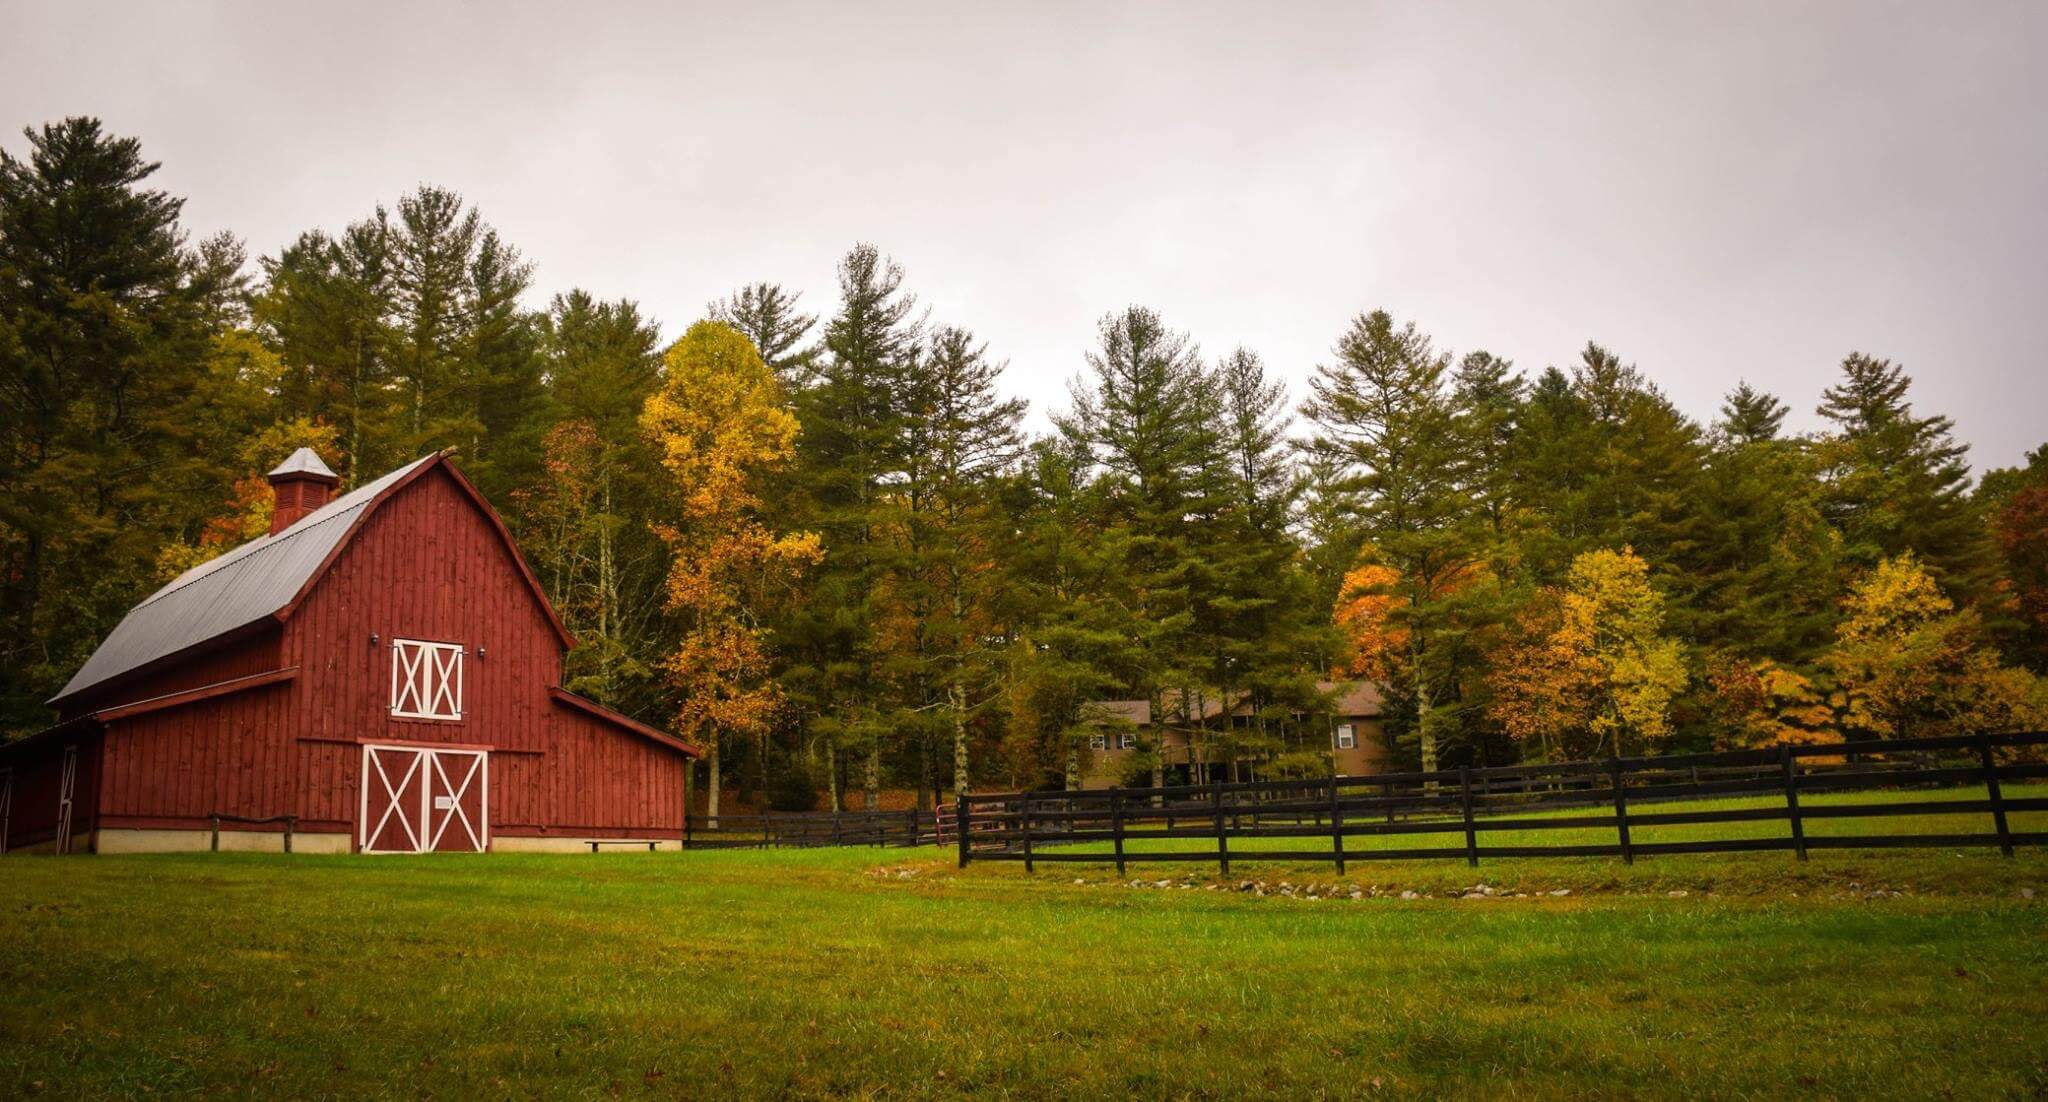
(720, 426)
(1908, 663)
(1589, 668)
(249, 503)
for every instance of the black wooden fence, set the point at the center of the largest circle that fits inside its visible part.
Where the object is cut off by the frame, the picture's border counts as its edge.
(1469, 804)
(803, 830)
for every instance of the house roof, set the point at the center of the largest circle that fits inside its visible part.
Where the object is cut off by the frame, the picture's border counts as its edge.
(263, 579)
(1353, 698)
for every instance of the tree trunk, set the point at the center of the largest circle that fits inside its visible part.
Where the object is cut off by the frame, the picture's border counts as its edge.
(1157, 703)
(832, 773)
(871, 783)
(1422, 704)
(1073, 777)
(711, 789)
(956, 700)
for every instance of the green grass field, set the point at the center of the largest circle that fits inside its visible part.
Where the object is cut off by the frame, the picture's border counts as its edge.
(888, 974)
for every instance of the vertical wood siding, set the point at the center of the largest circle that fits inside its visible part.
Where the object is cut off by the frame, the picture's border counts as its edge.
(427, 565)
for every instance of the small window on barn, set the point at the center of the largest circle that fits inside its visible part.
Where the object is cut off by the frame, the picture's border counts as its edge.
(1127, 741)
(426, 679)
(1347, 738)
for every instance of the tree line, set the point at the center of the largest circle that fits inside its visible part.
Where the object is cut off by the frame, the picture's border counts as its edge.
(823, 544)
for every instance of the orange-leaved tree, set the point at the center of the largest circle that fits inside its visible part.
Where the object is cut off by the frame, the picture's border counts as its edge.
(720, 426)
(1591, 660)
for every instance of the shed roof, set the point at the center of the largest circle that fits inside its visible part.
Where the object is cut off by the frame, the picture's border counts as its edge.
(237, 589)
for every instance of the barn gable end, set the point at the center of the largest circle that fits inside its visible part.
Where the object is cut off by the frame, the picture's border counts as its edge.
(285, 718)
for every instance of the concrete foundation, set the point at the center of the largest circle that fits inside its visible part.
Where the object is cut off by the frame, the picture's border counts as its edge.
(231, 841)
(502, 844)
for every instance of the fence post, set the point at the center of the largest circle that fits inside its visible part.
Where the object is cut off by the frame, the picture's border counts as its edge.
(960, 825)
(1465, 798)
(1997, 794)
(1387, 798)
(1336, 826)
(1628, 853)
(1222, 838)
(215, 820)
(290, 823)
(1116, 827)
(1024, 821)
(1790, 764)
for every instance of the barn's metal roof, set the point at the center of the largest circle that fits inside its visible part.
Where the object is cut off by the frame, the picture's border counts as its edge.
(232, 591)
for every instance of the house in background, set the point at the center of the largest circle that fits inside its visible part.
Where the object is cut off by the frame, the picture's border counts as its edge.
(383, 668)
(1356, 740)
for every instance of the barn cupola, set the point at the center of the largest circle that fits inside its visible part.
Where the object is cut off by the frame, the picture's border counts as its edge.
(299, 485)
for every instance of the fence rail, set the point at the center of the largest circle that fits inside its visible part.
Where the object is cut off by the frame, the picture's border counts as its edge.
(804, 830)
(1468, 804)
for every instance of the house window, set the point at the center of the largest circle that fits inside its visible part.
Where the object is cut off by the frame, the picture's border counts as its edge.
(1098, 742)
(1127, 741)
(426, 679)
(1347, 738)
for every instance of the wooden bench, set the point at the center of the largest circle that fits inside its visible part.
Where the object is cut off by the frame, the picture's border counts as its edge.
(594, 843)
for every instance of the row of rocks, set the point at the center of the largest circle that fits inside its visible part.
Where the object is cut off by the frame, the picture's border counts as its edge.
(1289, 890)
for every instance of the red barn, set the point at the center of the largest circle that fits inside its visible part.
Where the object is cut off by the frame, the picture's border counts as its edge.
(383, 668)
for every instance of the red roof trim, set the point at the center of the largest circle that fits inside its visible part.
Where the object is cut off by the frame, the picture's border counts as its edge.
(194, 696)
(438, 461)
(591, 707)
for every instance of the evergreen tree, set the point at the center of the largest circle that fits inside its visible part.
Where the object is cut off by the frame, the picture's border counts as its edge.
(1146, 417)
(851, 451)
(1765, 575)
(1488, 396)
(585, 518)
(325, 308)
(1897, 482)
(1268, 642)
(1750, 416)
(106, 398)
(963, 436)
(767, 315)
(1384, 411)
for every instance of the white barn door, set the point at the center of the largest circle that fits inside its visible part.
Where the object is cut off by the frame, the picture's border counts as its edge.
(420, 800)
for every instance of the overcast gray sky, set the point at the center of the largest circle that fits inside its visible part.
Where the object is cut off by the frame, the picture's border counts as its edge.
(1716, 191)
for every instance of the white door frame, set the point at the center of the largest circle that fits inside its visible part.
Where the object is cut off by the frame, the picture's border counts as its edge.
(427, 764)
(66, 793)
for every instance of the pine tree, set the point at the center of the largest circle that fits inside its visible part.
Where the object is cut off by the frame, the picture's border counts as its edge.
(1146, 418)
(1750, 416)
(1765, 575)
(1488, 396)
(767, 314)
(1384, 411)
(1058, 609)
(962, 436)
(1897, 482)
(1268, 644)
(851, 451)
(326, 308)
(105, 398)
(585, 517)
